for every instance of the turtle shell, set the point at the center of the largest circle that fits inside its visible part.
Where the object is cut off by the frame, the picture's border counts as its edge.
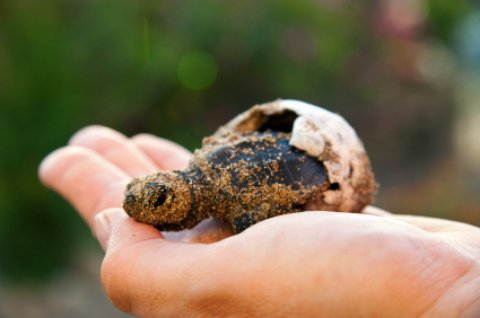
(267, 158)
(249, 177)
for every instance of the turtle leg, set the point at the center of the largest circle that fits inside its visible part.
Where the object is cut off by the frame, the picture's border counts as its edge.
(244, 219)
(242, 222)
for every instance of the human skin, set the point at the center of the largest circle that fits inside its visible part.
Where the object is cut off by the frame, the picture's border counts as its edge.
(312, 264)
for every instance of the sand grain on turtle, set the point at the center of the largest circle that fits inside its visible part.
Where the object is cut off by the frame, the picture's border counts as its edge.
(277, 158)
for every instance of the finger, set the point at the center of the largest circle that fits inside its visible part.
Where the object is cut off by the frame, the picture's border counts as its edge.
(452, 231)
(167, 155)
(435, 225)
(106, 220)
(372, 210)
(116, 148)
(429, 224)
(86, 180)
(141, 270)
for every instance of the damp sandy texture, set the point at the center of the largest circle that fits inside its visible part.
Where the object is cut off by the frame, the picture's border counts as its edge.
(277, 158)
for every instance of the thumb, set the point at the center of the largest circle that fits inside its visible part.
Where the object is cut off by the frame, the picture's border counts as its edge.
(109, 222)
(142, 270)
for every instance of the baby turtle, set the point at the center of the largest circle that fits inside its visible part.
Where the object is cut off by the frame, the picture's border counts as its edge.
(270, 160)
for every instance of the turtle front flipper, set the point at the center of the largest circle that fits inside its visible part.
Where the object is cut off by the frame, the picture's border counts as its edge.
(242, 222)
(239, 222)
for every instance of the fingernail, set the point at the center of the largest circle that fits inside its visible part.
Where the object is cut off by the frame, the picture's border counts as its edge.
(104, 223)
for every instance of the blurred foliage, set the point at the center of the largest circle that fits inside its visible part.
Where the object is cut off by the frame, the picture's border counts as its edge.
(179, 69)
(445, 15)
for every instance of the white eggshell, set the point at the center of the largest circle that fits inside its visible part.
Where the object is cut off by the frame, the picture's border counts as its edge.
(328, 137)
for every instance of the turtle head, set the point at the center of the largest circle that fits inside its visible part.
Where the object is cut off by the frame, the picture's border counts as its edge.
(162, 199)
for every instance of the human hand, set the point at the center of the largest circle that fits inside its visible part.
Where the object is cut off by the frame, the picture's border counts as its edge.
(323, 264)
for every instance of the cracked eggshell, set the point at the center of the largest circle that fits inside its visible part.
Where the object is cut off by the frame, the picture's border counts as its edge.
(321, 134)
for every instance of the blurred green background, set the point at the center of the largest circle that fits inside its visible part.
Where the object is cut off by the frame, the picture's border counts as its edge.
(404, 73)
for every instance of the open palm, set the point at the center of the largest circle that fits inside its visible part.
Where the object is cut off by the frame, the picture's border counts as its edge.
(312, 264)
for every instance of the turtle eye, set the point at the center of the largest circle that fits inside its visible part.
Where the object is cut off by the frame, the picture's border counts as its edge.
(161, 197)
(160, 193)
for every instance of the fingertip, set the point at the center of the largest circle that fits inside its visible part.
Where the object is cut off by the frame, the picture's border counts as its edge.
(83, 178)
(58, 161)
(125, 231)
(46, 166)
(115, 229)
(165, 153)
(86, 134)
(104, 223)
